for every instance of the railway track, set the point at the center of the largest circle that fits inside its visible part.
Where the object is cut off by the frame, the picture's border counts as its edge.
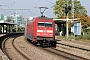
(75, 49)
(18, 48)
(10, 49)
(64, 54)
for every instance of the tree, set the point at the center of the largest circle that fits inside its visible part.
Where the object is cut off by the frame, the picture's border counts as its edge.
(60, 4)
(84, 19)
(58, 8)
(79, 11)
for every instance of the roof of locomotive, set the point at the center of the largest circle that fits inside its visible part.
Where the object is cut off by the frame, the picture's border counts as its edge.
(42, 18)
(46, 18)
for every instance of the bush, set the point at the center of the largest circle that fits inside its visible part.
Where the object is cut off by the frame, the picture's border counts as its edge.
(86, 36)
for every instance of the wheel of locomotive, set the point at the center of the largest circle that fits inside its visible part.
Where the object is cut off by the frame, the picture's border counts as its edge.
(27, 39)
(37, 43)
(53, 43)
(41, 43)
(34, 43)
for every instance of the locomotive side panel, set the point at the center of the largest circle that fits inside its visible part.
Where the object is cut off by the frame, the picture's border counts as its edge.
(35, 30)
(30, 31)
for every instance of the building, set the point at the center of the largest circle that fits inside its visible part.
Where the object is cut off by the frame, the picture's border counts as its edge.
(17, 19)
(1, 17)
(5, 18)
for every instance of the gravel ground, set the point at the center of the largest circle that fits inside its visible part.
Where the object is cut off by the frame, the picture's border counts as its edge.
(75, 43)
(75, 51)
(11, 51)
(34, 52)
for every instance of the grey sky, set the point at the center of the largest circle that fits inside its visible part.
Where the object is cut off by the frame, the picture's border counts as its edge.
(31, 4)
(86, 4)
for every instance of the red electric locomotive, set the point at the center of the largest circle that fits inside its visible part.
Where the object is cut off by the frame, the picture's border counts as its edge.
(41, 31)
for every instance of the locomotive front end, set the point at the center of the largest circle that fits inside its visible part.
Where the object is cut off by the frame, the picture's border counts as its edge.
(46, 32)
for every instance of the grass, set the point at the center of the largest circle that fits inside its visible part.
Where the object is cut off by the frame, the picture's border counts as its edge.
(82, 38)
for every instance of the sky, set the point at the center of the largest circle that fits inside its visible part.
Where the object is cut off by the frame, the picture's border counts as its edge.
(86, 4)
(33, 6)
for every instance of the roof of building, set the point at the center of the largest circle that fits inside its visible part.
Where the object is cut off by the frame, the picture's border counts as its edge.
(7, 23)
(59, 20)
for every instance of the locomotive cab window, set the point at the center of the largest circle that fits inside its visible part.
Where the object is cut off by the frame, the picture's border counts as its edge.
(48, 24)
(41, 24)
(45, 24)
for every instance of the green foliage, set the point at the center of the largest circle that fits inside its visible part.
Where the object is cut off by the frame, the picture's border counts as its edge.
(60, 4)
(86, 35)
(79, 12)
(20, 29)
(58, 7)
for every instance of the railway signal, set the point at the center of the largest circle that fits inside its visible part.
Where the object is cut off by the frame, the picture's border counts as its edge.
(67, 9)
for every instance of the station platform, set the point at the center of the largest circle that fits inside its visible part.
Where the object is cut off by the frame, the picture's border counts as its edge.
(6, 27)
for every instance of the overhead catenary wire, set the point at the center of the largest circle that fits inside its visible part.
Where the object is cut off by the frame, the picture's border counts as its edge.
(12, 5)
(48, 6)
(36, 6)
(14, 9)
(42, 6)
(50, 1)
